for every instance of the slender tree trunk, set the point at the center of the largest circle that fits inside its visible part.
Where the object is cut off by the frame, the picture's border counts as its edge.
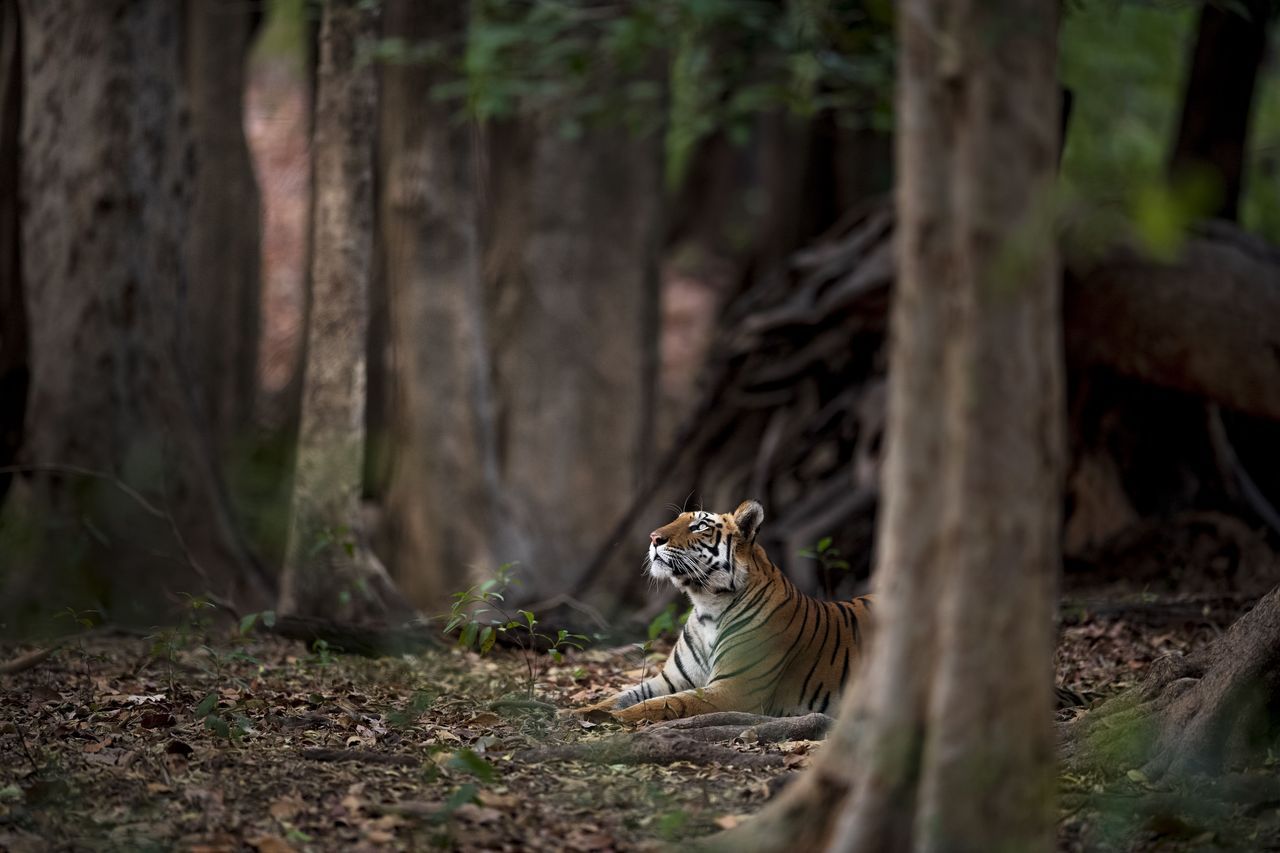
(936, 748)
(328, 566)
(14, 359)
(223, 295)
(105, 190)
(444, 477)
(1230, 44)
(571, 263)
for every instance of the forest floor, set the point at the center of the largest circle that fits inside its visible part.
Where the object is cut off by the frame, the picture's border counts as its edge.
(179, 741)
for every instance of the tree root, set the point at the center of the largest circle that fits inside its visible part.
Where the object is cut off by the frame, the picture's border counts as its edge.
(698, 739)
(27, 661)
(1202, 715)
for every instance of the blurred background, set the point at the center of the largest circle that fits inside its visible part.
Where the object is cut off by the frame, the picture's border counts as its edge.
(598, 262)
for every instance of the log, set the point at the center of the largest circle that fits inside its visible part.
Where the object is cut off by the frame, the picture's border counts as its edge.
(1206, 324)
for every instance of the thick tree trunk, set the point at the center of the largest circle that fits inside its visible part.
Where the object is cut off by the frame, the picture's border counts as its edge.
(1216, 106)
(105, 196)
(935, 748)
(223, 293)
(14, 359)
(571, 264)
(328, 565)
(443, 482)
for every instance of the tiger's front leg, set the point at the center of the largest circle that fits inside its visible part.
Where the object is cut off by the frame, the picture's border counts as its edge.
(653, 687)
(686, 703)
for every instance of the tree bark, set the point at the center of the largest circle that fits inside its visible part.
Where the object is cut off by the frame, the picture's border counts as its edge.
(1218, 100)
(224, 290)
(328, 566)
(1205, 324)
(1208, 713)
(935, 748)
(14, 358)
(443, 480)
(571, 248)
(105, 192)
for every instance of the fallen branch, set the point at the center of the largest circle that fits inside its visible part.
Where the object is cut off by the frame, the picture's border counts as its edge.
(358, 639)
(28, 660)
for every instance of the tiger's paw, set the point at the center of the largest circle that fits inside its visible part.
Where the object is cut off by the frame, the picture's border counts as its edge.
(600, 712)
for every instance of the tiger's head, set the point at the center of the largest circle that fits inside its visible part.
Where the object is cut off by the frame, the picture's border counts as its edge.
(706, 553)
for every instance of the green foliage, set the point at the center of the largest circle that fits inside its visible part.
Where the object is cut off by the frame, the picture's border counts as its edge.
(669, 621)
(1126, 64)
(727, 61)
(479, 618)
(671, 823)
(828, 557)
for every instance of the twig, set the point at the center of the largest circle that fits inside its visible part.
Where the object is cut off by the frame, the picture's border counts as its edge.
(28, 660)
(51, 468)
(1234, 472)
(22, 739)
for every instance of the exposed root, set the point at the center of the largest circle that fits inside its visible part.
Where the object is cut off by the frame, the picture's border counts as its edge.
(698, 739)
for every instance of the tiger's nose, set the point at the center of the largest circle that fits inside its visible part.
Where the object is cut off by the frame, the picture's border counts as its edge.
(657, 538)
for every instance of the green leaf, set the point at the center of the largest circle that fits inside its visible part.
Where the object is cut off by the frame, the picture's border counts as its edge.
(468, 762)
(269, 618)
(529, 618)
(465, 794)
(824, 543)
(207, 704)
(218, 726)
(247, 622)
(487, 638)
(468, 638)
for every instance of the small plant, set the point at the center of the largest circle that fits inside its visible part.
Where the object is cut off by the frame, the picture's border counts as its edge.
(480, 618)
(829, 560)
(166, 643)
(229, 727)
(666, 622)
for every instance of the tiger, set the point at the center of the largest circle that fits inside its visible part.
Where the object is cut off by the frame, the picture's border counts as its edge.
(752, 642)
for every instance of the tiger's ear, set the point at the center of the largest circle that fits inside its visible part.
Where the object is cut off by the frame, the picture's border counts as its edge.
(748, 516)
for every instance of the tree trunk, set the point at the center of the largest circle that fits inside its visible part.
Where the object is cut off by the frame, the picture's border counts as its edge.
(443, 481)
(571, 249)
(1209, 713)
(328, 565)
(1216, 106)
(14, 359)
(104, 187)
(223, 293)
(936, 748)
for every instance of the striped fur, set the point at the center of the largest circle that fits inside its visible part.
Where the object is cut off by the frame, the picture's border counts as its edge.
(753, 642)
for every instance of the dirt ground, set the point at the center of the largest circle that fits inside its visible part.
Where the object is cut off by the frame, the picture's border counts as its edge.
(222, 742)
